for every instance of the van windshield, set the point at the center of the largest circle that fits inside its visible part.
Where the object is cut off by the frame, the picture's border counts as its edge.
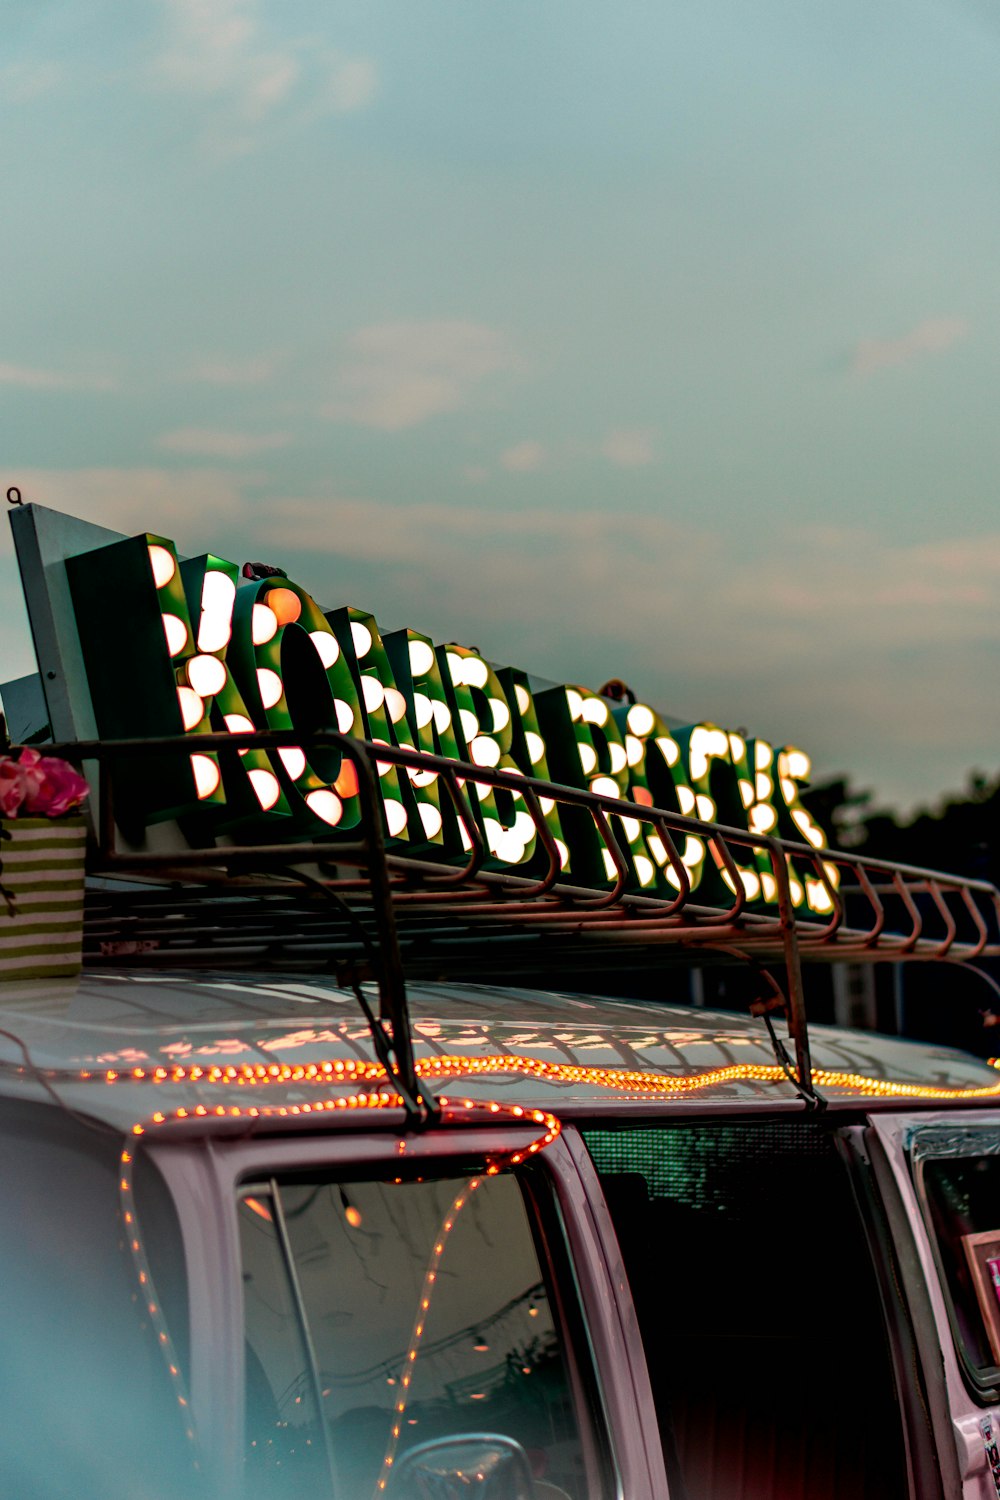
(384, 1314)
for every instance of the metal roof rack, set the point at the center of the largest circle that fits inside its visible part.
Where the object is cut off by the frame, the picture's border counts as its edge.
(351, 904)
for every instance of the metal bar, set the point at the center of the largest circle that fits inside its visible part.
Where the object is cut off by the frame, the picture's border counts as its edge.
(797, 1021)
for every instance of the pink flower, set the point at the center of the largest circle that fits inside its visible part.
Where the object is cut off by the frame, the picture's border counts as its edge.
(42, 785)
(11, 787)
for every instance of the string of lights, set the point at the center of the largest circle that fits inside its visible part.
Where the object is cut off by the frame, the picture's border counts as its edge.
(420, 1323)
(451, 1067)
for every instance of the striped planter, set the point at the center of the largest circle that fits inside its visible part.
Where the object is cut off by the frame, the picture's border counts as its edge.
(41, 897)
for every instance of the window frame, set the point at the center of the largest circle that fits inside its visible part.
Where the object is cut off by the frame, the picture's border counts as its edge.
(565, 1209)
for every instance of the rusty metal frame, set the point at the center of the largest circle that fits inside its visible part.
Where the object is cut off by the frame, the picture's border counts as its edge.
(386, 884)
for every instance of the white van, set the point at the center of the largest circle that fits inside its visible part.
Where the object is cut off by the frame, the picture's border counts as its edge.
(583, 1248)
(317, 1183)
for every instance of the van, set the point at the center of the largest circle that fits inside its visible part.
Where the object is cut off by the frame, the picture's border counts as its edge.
(280, 1222)
(378, 1144)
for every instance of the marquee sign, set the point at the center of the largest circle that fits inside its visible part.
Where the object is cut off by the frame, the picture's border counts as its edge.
(186, 646)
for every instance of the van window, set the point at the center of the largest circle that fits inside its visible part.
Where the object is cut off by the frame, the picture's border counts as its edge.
(759, 1311)
(383, 1314)
(88, 1407)
(962, 1199)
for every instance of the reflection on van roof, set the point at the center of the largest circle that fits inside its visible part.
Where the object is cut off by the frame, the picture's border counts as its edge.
(126, 1046)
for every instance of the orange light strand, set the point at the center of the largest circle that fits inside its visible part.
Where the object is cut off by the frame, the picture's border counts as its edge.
(419, 1325)
(627, 1080)
(147, 1291)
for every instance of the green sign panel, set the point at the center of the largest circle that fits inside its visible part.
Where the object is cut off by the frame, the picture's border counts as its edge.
(173, 646)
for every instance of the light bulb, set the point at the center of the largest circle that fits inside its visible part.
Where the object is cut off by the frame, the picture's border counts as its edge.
(163, 565)
(423, 710)
(266, 786)
(362, 638)
(641, 720)
(239, 724)
(263, 624)
(293, 759)
(442, 717)
(215, 628)
(396, 704)
(668, 748)
(270, 685)
(536, 746)
(327, 646)
(431, 819)
(191, 706)
(206, 674)
(206, 775)
(176, 633)
(474, 671)
(484, 751)
(501, 714)
(593, 711)
(285, 604)
(326, 805)
(372, 692)
(469, 723)
(395, 816)
(421, 658)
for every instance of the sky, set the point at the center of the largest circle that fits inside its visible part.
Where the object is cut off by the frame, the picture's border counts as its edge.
(655, 340)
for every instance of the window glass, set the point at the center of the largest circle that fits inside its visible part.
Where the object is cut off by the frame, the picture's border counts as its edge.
(427, 1317)
(963, 1196)
(735, 1238)
(87, 1407)
(285, 1451)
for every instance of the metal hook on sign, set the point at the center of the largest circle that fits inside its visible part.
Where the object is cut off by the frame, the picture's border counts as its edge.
(14, 496)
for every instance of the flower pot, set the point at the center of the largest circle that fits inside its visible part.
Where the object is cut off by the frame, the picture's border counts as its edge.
(41, 897)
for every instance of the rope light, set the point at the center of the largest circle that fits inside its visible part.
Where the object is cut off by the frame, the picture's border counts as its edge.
(431, 1069)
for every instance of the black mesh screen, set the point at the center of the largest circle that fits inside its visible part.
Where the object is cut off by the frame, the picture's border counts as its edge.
(714, 1166)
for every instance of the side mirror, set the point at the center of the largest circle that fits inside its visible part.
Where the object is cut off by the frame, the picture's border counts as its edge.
(472, 1466)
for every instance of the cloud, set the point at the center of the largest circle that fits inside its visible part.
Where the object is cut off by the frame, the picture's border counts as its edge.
(401, 374)
(23, 82)
(932, 336)
(30, 379)
(353, 84)
(196, 507)
(475, 473)
(219, 52)
(234, 371)
(523, 458)
(207, 442)
(629, 447)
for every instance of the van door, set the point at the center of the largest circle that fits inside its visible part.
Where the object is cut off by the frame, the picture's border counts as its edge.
(759, 1306)
(940, 1176)
(383, 1294)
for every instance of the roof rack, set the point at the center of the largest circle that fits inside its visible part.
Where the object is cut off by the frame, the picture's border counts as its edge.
(370, 912)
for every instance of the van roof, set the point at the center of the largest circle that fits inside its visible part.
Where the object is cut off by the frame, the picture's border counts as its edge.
(216, 1044)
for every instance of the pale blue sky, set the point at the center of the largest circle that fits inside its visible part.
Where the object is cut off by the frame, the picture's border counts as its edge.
(653, 340)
